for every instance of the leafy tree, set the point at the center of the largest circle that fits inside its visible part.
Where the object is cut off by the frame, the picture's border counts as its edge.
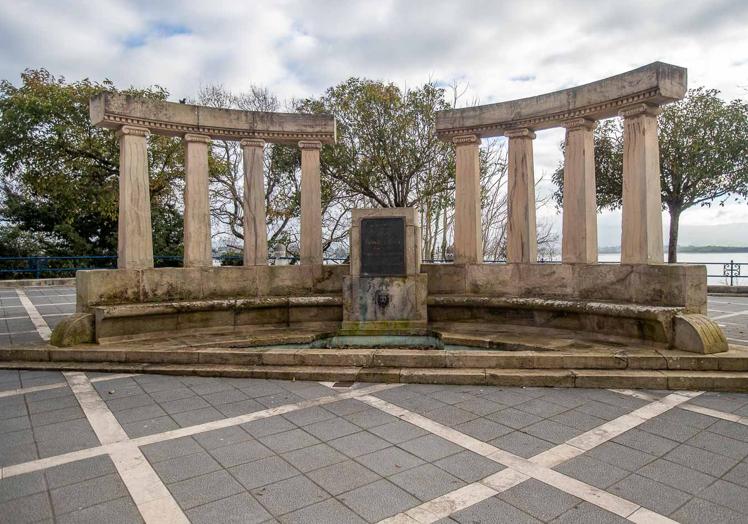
(703, 157)
(59, 174)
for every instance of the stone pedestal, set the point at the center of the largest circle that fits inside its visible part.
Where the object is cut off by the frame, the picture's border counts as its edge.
(385, 292)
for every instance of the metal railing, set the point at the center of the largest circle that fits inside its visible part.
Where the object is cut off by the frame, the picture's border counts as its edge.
(41, 266)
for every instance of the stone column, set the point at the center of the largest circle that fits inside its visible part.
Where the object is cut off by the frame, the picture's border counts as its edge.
(255, 226)
(311, 204)
(522, 235)
(197, 246)
(641, 239)
(579, 240)
(134, 240)
(468, 243)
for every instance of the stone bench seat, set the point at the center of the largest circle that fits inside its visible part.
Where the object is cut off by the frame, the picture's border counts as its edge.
(113, 322)
(669, 327)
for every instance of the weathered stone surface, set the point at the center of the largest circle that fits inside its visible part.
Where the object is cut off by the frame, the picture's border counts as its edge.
(255, 227)
(385, 298)
(73, 330)
(468, 245)
(106, 286)
(113, 110)
(657, 83)
(699, 334)
(311, 204)
(197, 248)
(522, 239)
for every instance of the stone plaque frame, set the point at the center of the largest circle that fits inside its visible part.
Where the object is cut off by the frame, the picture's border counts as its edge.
(383, 247)
(412, 238)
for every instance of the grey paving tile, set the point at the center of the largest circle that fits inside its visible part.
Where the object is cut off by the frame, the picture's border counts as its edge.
(521, 444)
(645, 442)
(343, 476)
(650, 494)
(267, 426)
(552, 431)
(430, 447)
(15, 424)
(75, 497)
(197, 416)
(242, 407)
(279, 399)
(701, 460)
(122, 510)
(304, 417)
(727, 494)
(129, 402)
(602, 410)
(730, 429)
(541, 407)
(699, 511)
(262, 472)
(33, 508)
(289, 440)
(578, 419)
(620, 456)
(719, 401)
(206, 386)
(169, 449)
(468, 466)
(18, 454)
(331, 428)
(378, 500)
(514, 418)
(669, 429)
(677, 476)
(370, 418)
(420, 404)
(185, 467)
(480, 406)
(226, 396)
(140, 413)
(539, 500)
(593, 472)
(58, 415)
(451, 415)
(347, 407)
(79, 471)
(359, 444)
(289, 495)
(241, 508)
(738, 474)
(239, 453)
(172, 394)
(222, 437)
(22, 486)
(453, 395)
(398, 431)
(587, 513)
(720, 444)
(426, 482)
(329, 511)
(183, 404)
(12, 407)
(313, 457)
(493, 511)
(150, 426)
(508, 397)
(390, 461)
(68, 401)
(205, 488)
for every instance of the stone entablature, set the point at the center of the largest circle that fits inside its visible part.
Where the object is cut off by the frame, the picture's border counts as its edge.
(654, 84)
(171, 119)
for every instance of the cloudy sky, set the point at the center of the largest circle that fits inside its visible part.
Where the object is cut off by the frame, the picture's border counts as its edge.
(500, 49)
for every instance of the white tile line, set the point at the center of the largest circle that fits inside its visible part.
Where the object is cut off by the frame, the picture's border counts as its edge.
(537, 467)
(20, 332)
(73, 456)
(26, 317)
(732, 417)
(41, 325)
(730, 315)
(738, 340)
(34, 389)
(152, 498)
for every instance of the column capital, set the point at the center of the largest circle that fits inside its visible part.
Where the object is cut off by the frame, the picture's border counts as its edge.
(192, 137)
(252, 142)
(580, 123)
(640, 109)
(521, 132)
(464, 140)
(310, 144)
(133, 131)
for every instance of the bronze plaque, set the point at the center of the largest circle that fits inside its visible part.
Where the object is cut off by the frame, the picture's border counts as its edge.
(383, 246)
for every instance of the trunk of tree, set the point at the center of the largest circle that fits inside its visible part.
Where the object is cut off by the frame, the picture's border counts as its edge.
(672, 250)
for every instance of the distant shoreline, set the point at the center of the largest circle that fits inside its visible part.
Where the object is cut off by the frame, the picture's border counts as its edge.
(687, 249)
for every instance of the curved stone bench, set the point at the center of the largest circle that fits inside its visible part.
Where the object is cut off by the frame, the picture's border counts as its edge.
(663, 326)
(113, 322)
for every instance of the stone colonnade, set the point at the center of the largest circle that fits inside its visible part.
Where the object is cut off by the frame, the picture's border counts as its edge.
(635, 96)
(133, 119)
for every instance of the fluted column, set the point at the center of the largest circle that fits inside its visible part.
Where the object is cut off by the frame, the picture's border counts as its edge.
(311, 204)
(197, 246)
(255, 225)
(468, 244)
(641, 239)
(522, 235)
(134, 240)
(579, 240)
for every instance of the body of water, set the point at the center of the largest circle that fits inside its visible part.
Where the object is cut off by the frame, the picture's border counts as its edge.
(714, 263)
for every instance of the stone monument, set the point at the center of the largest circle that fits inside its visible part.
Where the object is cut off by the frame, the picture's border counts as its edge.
(385, 292)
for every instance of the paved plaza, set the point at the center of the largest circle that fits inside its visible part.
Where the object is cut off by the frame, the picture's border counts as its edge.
(95, 447)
